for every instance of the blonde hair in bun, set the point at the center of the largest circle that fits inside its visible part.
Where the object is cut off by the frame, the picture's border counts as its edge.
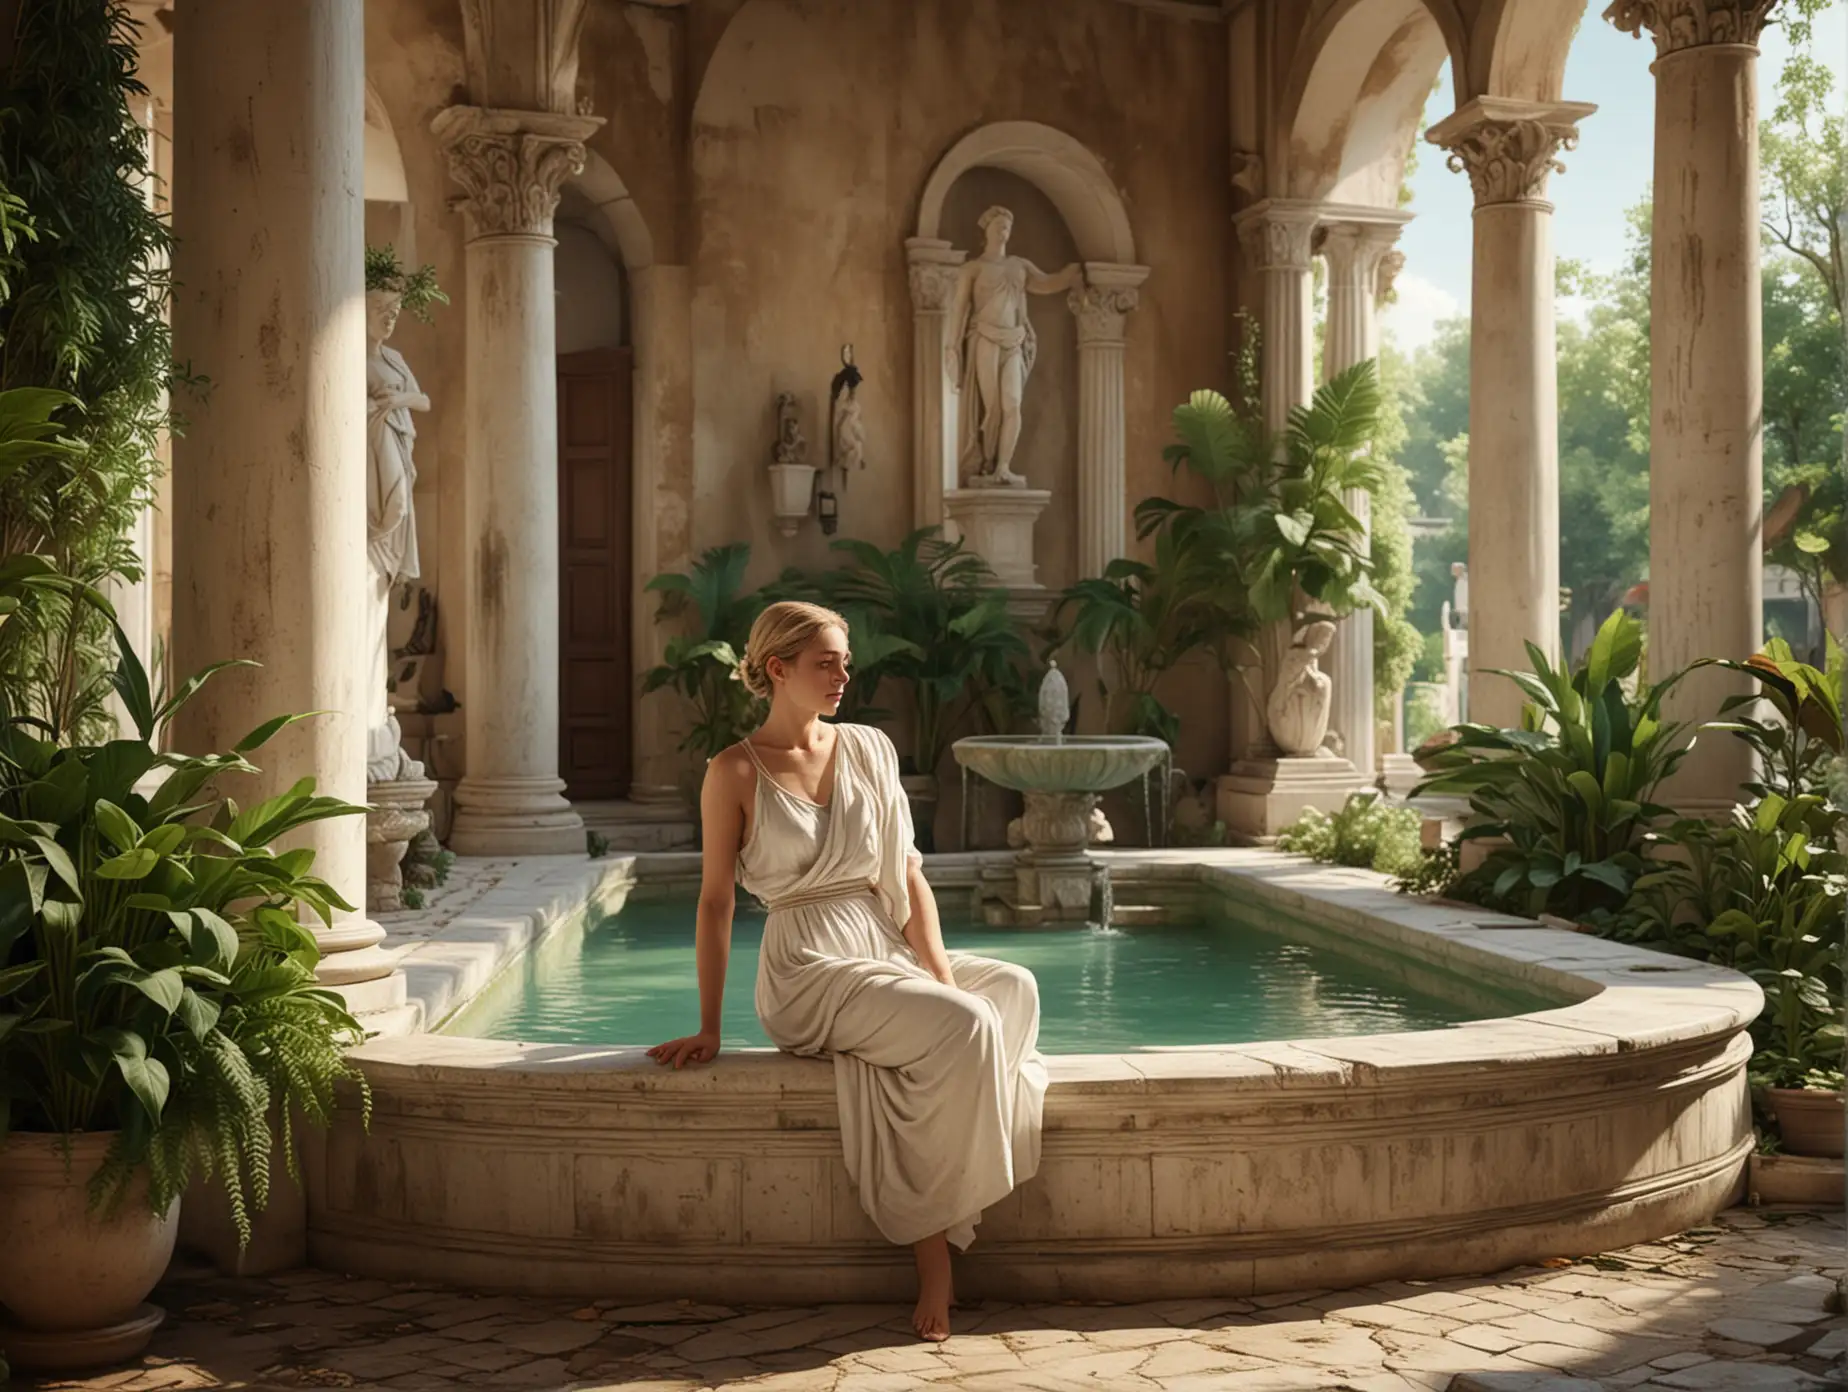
(783, 631)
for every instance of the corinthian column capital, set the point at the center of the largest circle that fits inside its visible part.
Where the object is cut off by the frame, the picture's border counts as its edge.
(932, 266)
(1105, 300)
(1678, 25)
(1509, 147)
(511, 165)
(1279, 235)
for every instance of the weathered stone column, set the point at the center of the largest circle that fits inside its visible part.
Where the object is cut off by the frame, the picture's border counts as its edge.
(511, 163)
(269, 478)
(933, 266)
(661, 308)
(1102, 306)
(1508, 148)
(1706, 380)
(1354, 251)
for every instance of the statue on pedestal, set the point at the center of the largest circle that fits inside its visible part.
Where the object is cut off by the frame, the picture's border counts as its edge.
(990, 347)
(1298, 707)
(392, 394)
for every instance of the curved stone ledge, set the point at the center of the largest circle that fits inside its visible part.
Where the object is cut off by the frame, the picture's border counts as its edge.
(1620, 1115)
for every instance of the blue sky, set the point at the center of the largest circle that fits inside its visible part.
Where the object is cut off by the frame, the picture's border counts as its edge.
(1608, 173)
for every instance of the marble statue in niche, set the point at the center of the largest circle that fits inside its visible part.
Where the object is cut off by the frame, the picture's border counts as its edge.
(1298, 707)
(392, 394)
(990, 349)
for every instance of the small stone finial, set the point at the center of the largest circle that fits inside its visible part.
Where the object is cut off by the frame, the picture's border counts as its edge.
(1055, 703)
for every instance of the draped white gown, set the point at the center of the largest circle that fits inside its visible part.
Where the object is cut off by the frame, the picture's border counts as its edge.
(941, 1088)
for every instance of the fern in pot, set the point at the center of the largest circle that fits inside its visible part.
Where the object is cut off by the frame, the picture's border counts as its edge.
(158, 1012)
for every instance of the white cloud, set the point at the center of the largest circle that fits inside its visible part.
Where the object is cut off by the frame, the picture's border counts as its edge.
(1413, 317)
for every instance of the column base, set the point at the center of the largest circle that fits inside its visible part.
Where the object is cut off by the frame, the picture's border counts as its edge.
(514, 817)
(1260, 797)
(1399, 774)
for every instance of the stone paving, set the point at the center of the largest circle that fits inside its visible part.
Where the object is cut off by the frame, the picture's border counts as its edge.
(1740, 1306)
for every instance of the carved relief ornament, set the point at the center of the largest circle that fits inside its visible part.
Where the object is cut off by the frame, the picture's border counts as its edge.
(933, 284)
(1101, 311)
(511, 165)
(1276, 239)
(1508, 161)
(1678, 25)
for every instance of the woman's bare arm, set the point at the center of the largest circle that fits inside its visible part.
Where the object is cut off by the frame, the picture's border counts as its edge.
(1066, 278)
(722, 801)
(924, 931)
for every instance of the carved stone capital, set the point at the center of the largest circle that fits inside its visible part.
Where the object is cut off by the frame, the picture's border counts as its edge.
(1101, 310)
(932, 269)
(511, 165)
(1276, 236)
(1355, 251)
(1678, 25)
(1508, 148)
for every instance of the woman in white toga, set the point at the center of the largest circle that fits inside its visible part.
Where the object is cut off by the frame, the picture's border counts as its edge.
(935, 1061)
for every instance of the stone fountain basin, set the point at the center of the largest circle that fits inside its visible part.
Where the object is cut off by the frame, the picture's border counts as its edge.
(1072, 764)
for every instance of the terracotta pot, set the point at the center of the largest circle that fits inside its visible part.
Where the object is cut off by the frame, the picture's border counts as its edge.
(1809, 1119)
(74, 1281)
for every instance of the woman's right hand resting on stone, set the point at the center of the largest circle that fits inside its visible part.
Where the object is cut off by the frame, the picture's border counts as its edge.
(694, 1048)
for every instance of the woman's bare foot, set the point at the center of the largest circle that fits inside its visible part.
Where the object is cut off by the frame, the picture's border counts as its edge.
(932, 1317)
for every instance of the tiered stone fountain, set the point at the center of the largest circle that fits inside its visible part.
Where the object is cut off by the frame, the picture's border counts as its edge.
(1056, 879)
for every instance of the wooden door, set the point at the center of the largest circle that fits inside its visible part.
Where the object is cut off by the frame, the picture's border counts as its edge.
(596, 701)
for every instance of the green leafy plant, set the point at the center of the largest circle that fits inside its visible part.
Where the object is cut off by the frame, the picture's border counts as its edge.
(83, 297)
(1763, 895)
(945, 631)
(1433, 875)
(1570, 794)
(702, 663)
(1278, 530)
(157, 980)
(1143, 620)
(1367, 831)
(416, 290)
(1798, 747)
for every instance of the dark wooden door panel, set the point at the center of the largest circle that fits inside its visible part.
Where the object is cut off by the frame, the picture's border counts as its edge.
(596, 686)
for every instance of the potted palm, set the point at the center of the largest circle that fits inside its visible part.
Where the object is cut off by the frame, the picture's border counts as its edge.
(942, 629)
(1278, 547)
(158, 1012)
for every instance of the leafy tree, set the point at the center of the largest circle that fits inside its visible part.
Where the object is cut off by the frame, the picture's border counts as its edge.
(85, 314)
(1396, 640)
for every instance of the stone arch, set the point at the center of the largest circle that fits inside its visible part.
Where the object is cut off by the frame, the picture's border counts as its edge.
(1519, 48)
(384, 179)
(1356, 93)
(618, 220)
(1059, 165)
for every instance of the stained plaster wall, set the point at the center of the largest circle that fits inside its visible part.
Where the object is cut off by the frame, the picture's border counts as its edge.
(815, 128)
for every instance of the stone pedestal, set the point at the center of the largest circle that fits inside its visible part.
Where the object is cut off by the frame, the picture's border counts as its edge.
(997, 525)
(511, 164)
(1055, 875)
(397, 812)
(1260, 797)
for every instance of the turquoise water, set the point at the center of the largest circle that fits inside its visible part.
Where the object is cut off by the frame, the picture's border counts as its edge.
(630, 979)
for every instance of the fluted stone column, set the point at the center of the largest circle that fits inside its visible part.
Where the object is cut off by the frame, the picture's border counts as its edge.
(510, 164)
(1706, 338)
(269, 477)
(1102, 306)
(933, 264)
(1354, 252)
(661, 309)
(1508, 148)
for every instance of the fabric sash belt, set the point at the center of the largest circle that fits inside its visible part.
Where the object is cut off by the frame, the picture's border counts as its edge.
(824, 894)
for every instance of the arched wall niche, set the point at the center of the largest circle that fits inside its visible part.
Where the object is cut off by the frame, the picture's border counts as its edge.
(1058, 165)
(1076, 184)
(384, 179)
